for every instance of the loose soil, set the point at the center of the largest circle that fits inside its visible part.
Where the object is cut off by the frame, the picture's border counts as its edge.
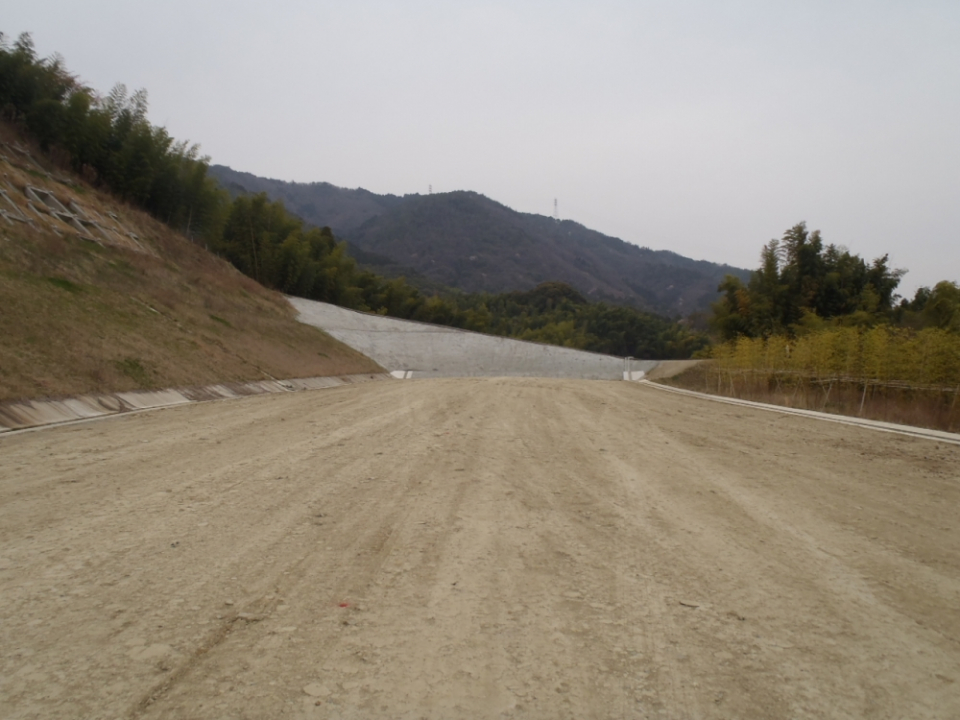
(480, 548)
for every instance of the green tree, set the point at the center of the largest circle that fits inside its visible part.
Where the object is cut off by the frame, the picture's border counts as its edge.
(942, 307)
(801, 282)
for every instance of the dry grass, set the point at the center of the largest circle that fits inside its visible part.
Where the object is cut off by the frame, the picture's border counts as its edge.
(78, 316)
(935, 409)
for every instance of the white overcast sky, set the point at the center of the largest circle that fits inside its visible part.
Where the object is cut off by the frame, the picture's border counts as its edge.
(705, 127)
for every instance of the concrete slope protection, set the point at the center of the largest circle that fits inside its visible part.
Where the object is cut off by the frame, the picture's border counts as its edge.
(420, 350)
(477, 548)
(23, 414)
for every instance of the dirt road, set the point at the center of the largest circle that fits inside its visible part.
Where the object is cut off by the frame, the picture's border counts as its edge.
(477, 549)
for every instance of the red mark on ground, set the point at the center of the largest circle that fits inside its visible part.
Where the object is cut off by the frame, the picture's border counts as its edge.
(344, 604)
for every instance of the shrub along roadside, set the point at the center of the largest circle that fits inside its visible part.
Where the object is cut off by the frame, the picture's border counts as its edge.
(884, 373)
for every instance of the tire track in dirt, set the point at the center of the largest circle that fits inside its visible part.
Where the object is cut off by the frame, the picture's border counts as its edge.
(365, 536)
(603, 523)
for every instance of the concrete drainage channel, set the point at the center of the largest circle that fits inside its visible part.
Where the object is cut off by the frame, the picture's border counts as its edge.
(26, 414)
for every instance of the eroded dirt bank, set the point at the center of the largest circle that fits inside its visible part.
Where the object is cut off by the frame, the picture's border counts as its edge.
(477, 548)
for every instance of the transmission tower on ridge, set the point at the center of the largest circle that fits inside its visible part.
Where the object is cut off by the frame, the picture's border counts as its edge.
(556, 213)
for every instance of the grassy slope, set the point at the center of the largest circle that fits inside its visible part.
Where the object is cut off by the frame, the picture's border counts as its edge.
(77, 316)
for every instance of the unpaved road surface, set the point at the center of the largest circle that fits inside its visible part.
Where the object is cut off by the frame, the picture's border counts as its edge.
(479, 548)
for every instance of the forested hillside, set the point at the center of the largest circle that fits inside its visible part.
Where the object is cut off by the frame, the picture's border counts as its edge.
(475, 244)
(277, 249)
(319, 203)
(108, 141)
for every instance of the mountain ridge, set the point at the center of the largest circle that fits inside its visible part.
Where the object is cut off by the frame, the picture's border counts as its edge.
(466, 240)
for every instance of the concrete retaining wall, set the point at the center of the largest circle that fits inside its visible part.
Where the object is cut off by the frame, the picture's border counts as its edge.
(419, 350)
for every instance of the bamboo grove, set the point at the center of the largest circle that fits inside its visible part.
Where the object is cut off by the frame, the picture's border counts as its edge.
(885, 373)
(881, 357)
(819, 327)
(818, 312)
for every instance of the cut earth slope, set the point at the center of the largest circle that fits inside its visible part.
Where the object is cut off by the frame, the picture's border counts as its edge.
(97, 297)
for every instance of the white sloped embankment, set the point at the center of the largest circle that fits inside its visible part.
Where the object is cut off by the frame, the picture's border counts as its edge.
(420, 350)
